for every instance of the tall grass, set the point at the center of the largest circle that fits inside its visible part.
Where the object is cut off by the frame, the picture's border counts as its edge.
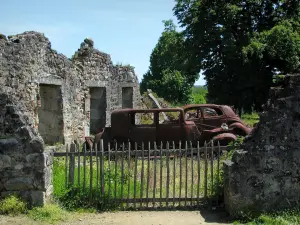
(119, 181)
(80, 195)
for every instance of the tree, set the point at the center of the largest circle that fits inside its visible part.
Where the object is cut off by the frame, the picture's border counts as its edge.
(240, 45)
(169, 74)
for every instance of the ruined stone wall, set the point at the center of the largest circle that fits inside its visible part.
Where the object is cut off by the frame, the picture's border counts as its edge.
(97, 70)
(27, 62)
(25, 166)
(265, 175)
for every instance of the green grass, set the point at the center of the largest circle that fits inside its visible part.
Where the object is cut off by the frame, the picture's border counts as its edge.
(250, 119)
(287, 217)
(121, 185)
(50, 213)
(81, 196)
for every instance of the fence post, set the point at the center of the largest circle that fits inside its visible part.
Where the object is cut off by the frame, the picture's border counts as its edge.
(102, 167)
(205, 170)
(72, 164)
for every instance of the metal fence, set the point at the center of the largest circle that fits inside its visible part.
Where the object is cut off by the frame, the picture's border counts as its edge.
(131, 177)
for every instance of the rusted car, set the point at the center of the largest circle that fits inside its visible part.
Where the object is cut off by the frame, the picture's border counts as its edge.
(150, 125)
(214, 117)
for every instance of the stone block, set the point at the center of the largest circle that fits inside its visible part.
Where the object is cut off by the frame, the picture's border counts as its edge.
(5, 162)
(37, 198)
(37, 145)
(18, 184)
(10, 146)
(36, 160)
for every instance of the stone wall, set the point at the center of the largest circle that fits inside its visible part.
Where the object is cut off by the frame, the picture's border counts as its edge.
(265, 175)
(97, 70)
(27, 62)
(25, 166)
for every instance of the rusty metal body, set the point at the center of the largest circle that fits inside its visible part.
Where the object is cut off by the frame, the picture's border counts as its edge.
(212, 117)
(124, 128)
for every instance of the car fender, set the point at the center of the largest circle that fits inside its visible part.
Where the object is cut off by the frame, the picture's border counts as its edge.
(240, 126)
(224, 136)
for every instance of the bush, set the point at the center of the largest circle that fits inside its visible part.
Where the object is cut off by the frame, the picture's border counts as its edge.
(49, 213)
(12, 205)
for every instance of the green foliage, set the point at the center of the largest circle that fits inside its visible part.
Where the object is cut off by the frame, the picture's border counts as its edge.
(199, 95)
(236, 145)
(77, 197)
(51, 213)
(285, 217)
(250, 119)
(278, 79)
(12, 205)
(169, 74)
(240, 45)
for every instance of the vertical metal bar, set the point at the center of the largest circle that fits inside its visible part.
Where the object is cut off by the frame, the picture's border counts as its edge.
(205, 170)
(161, 168)
(91, 172)
(199, 173)
(122, 172)
(148, 173)
(135, 171)
(102, 167)
(129, 174)
(109, 173)
(116, 169)
(84, 168)
(192, 173)
(142, 176)
(98, 177)
(212, 168)
(66, 166)
(154, 183)
(78, 166)
(218, 171)
(72, 165)
(174, 173)
(186, 173)
(180, 172)
(168, 173)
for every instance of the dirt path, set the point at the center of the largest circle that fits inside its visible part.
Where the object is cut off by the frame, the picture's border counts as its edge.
(134, 218)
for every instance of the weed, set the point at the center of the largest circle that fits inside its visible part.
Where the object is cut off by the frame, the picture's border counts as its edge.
(12, 205)
(50, 213)
(285, 217)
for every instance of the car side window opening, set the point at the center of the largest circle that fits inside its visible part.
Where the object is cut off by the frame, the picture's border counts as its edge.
(146, 118)
(173, 118)
(193, 114)
(212, 112)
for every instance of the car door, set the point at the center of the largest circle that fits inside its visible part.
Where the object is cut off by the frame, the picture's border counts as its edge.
(169, 131)
(195, 115)
(212, 117)
(143, 128)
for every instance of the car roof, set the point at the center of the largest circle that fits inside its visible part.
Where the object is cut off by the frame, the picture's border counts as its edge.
(128, 110)
(200, 105)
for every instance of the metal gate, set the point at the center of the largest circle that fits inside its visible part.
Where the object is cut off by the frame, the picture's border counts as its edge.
(127, 176)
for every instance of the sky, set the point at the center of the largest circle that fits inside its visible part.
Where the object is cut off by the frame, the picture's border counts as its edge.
(128, 30)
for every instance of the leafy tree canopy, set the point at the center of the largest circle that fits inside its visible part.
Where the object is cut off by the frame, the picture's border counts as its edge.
(240, 45)
(170, 75)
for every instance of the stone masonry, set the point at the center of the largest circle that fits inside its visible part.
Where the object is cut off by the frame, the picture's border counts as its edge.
(56, 91)
(25, 166)
(265, 175)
